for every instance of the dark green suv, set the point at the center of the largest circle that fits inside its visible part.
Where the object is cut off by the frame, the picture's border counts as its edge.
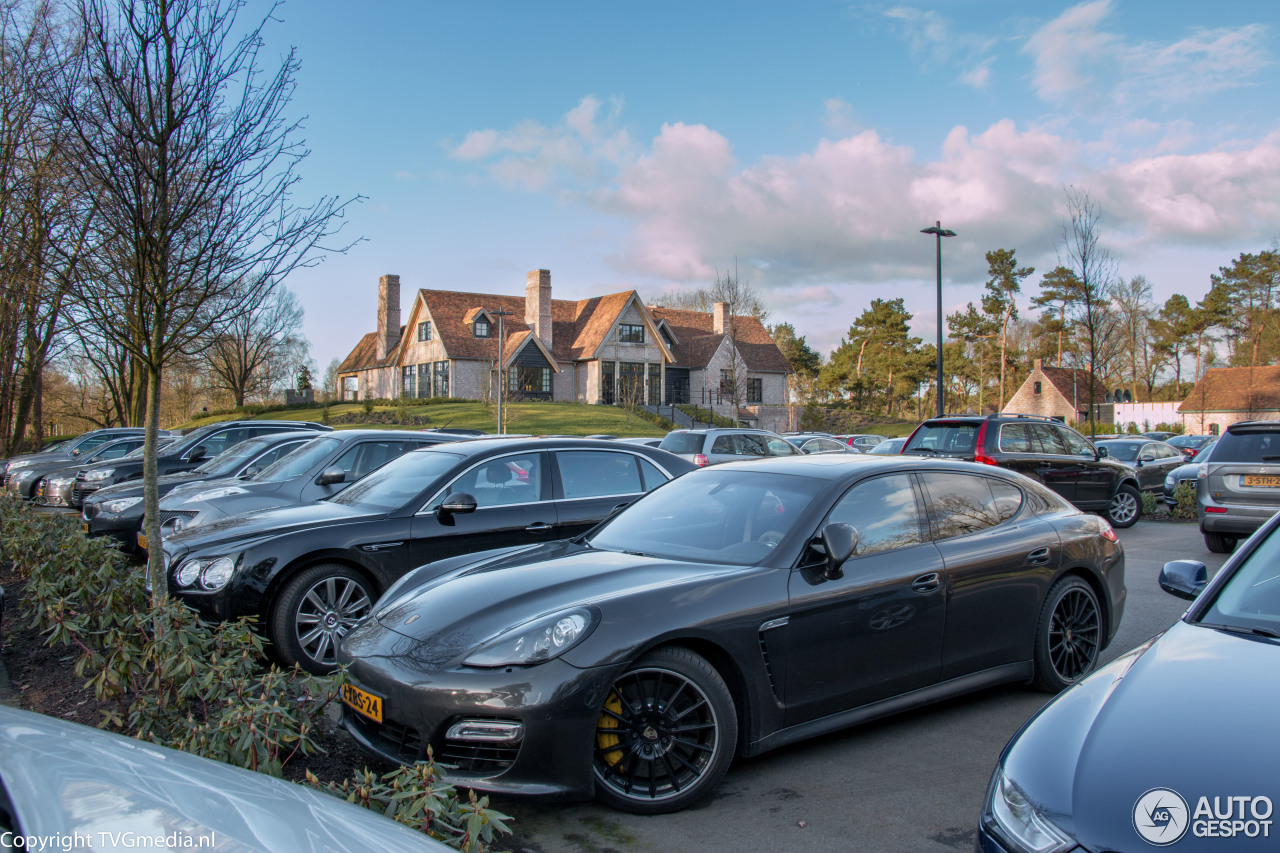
(1041, 448)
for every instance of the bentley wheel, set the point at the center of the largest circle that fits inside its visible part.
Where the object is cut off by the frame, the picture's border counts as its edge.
(666, 734)
(1069, 635)
(314, 611)
(1125, 507)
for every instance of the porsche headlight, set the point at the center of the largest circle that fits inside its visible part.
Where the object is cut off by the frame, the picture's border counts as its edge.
(214, 494)
(1170, 481)
(18, 463)
(1019, 822)
(99, 474)
(118, 505)
(534, 642)
(23, 476)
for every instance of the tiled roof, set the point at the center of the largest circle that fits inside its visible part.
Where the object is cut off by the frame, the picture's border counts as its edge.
(1235, 389)
(578, 330)
(1074, 384)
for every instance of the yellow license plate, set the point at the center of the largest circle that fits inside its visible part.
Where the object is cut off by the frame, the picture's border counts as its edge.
(86, 527)
(1270, 480)
(142, 541)
(362, 702)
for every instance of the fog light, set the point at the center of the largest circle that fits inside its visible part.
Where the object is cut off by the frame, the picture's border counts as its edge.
(486, 731)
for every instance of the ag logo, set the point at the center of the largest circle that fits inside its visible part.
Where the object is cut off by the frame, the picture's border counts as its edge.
(1160, 816)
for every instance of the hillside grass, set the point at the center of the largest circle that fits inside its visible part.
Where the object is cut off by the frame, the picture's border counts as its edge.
(535, 418)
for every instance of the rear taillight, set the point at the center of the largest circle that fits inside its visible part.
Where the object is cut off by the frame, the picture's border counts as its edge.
(1215, 509)
(984, 459)
(1108, 532)
(979, 444)
(700, 460)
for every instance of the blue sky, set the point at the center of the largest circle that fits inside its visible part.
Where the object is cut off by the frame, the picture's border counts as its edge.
(648, 145)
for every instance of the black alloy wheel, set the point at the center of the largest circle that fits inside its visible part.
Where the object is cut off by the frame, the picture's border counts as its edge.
(1126, 507)
(314, 611)
(666, 734)
(1068, 636)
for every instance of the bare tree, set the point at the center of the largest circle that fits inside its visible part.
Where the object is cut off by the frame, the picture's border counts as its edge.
(181, 130)
(740, 300)
(1142, 359)
(1089, 294)
(242, 347)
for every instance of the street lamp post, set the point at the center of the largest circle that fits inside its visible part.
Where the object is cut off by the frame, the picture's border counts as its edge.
(939, 232)
(502, 379)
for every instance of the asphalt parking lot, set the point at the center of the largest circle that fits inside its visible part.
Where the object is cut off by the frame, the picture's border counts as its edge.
(910, 783)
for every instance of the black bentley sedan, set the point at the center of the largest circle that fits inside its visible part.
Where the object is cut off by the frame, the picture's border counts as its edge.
(737, 609)
(1173, 743)
(311, 572)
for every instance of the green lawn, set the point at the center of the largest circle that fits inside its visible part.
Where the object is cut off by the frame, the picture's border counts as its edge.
(536, 418)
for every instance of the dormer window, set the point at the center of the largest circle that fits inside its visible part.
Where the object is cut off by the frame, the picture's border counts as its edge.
(481, 328)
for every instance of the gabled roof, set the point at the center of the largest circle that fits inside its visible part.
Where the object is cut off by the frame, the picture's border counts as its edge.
(1235, 389)
(525, 338)
(365, 355)
(697, 342)
(1073, 384)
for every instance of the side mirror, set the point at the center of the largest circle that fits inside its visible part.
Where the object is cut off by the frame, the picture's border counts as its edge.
(329, 476)
(197, 452)
(251, 471)
(459, 503)
(1146, 457)
(839, 540)
(1102, 453)
(75, 453)
(1184, 578)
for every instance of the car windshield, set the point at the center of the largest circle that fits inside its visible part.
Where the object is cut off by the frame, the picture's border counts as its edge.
(298, 462)
(1186, 440)
(682, 442)
(1251, 598)
(944, 437)
(403, 478)
(229, 461)
(1125, 451)
(715, 516)
(893, 445)
(1247, 446)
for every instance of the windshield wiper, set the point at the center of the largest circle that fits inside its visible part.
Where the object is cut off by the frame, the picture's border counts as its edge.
(1256, 630)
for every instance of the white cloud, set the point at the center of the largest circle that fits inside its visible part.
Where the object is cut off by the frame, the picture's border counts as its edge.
(935, 42)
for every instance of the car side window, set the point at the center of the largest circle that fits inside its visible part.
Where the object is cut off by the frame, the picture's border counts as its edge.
(723, 444)
(275, 453)
(596, 473)
(505, 481)
(116, 451)
(1076, 444)
(368, 456)
(884, 512)
(959, 503)
(780, 447)
(1014, 438)
(1049, 439)
(652, 476)
(752, 445)
(1008, 498)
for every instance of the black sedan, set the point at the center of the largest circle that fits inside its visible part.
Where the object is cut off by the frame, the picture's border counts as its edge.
(116, 511)
(309, 573)
(1171, 743)
(737, 609)
(1151, 460)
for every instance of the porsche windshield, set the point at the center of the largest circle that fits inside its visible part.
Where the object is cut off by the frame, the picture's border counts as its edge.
(712, 516)
(1250, 600)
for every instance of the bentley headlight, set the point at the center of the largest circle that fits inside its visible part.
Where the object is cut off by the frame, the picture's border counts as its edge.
(210, 573)
(99, 474)
(534, 642)
(23, 476)
(1021, 823)
(1170, 481)
(214, 494)
(18, 463)
(118, 505)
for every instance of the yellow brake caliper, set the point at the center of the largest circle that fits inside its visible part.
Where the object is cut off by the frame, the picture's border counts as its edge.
(607, 741)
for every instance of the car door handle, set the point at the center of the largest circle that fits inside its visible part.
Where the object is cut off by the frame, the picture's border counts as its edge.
(927, 583)
(538, 527)
(1038, 557)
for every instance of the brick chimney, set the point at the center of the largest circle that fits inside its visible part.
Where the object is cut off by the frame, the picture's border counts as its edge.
(388, 315)
(537, 304)
(1039, 364)
(720, 318)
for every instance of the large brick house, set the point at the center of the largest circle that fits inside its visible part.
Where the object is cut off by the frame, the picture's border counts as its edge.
(1226, 395)
(608, 349)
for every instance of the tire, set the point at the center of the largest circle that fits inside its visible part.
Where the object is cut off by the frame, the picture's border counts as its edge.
(314, 611)
(1068, 635)
(1125, 508)
(1219, 544)
(666, 734)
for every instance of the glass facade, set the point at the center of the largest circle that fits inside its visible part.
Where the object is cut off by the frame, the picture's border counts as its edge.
(529, 381)
(424, 380)
(440, 380)
(406, 381)
(606, 382)
(655, 384)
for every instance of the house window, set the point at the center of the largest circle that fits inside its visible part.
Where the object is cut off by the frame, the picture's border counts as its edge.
(441, 379)
(350, 387)
(481, 328)
(629, 333)
(406, 380)
(666, 336)
(755, 390)
(1213, 429)
(1036, 388)
(424, 380)
(529, 380)
(631, 382)
(424, 331)
(655, 384)
(726, 383)
(606, 382)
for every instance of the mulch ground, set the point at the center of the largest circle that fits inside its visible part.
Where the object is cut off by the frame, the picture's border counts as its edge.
(44, 680)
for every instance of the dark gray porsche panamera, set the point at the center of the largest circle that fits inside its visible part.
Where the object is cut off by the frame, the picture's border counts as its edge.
(734, 610)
